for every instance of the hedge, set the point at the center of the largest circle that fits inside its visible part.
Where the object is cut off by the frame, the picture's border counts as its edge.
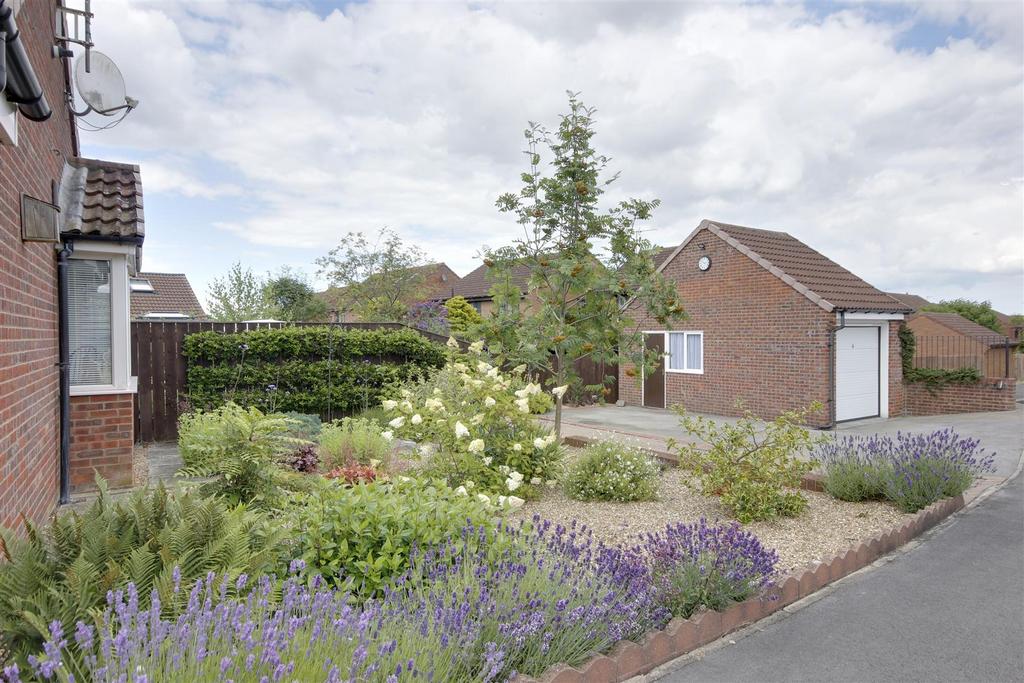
(320, 370)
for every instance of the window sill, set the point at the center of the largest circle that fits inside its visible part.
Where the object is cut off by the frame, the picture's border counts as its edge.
(105, 389)
(685, 372)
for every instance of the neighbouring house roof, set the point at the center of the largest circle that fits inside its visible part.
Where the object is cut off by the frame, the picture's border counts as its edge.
(962, 326)
(477, 285)
(814, 275)
(914, 301)
(438, 280)
(172, 297)
(102, 199)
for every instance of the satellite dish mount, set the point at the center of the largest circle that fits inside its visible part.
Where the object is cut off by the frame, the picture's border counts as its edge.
(101, 87)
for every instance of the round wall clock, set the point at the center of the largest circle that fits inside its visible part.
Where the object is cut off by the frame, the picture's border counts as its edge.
(704, 262)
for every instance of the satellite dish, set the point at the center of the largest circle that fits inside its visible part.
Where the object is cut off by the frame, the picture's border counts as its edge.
(100, 84)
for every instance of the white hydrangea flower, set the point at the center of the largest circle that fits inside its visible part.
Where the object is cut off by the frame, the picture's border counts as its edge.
(460, 430)
(517, 447)
(406, 406)
(452, 343)
(504, 469)
(416, 419)
(460, 367)
(397, 422)
(469, 483)
(461, 491)
(488, 460)
(532, 388)
(519, 369)
(388, 435)
(521, 393)
(476, 419)
(389, 404)
(514, 502)
(489, 401)
(539, 443)
(477, 346)
(483, 366)
(523, 404)
(426, 449)
(559, 392)
(433, 404)
(477, 383)
(406, 393)
(518, 476)
(476, 446)
(512, 484)
(493, 373)
(550, 439)
(482, 498)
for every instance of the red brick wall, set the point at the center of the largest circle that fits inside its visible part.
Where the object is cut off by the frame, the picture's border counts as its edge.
(897, 389)
(29, 386)
(764, 343)
(101, 440)
(960, 398)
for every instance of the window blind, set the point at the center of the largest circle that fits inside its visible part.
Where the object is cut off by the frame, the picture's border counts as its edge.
(89, 326)
(694, 352)
(676, 357)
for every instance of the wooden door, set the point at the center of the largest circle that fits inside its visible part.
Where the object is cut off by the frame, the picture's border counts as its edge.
(654, 378)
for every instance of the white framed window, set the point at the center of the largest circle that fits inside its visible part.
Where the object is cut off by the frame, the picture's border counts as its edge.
(685, 351)
(98, 321)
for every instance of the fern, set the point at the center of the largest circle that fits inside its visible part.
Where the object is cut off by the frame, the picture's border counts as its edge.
(63, 572)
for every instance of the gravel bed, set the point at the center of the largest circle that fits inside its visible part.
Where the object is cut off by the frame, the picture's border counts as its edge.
(826, 527)
(140, 465)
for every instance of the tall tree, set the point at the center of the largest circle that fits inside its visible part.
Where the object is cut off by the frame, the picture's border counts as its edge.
(238, 295)
(292, 298)
(979, 311)
(583, 260)
(376, 280)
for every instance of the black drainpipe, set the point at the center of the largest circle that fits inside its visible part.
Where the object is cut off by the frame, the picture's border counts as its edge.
(832, 370)
(64, 364)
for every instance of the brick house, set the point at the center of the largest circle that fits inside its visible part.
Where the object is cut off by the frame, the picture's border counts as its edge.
(437, 283)
(476, 286)
(950, 341)
(771, 323)
(164, 296)
(71, 231)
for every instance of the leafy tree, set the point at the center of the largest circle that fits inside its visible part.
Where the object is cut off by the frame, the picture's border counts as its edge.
(238, 295)
(462, 317)
(583, 260)
(291, 297)
(979, 311)
(375, 280)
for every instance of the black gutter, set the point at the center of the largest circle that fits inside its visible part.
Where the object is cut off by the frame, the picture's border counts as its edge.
(21, 87)
(832, 370)
(136, 240)
(64, 363)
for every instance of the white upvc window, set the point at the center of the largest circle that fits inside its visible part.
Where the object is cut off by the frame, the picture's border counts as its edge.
(685, 351)
(98, 320)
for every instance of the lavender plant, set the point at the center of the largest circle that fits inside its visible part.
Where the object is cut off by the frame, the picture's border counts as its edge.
(518, 601)
(911, 470)
(701, 565)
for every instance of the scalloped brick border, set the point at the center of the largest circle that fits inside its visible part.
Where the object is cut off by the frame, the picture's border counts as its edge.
(681, 636)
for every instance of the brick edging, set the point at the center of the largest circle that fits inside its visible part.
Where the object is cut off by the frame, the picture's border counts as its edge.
(681, 636)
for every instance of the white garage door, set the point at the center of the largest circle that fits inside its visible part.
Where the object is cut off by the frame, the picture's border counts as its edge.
(857, 372)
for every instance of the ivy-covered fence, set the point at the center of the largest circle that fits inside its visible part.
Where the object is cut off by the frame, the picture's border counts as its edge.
(331, 370)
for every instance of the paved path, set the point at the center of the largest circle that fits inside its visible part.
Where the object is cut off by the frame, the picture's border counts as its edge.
(948, 609)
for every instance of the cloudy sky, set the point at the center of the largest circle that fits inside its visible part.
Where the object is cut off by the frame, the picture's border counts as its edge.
(888, 136)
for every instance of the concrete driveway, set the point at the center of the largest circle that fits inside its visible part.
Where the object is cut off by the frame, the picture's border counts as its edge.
(1002, 432)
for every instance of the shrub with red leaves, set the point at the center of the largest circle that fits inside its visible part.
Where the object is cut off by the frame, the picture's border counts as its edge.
(353, 473)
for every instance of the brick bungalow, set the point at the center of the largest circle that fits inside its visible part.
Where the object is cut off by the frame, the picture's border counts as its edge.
(950, 341)
(437, 283)
(164, 296)
(68, 226)
(774, 324)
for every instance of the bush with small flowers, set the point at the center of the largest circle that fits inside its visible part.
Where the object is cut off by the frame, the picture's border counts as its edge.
(474, 428)
(610, 471)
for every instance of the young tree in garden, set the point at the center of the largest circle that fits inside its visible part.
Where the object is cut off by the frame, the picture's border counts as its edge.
(291, 297)
(462, 317)
(375, 280)
(584, 260)
(237, 296)
(979, 311)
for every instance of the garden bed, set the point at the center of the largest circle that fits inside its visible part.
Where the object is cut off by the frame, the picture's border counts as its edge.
(823, 529)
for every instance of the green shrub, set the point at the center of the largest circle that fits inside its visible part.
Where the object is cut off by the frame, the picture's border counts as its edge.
(754, 466)
(239, 448)
(856, 481)
(610, 471)
(352, 439)
(359, 537)
(305, 426)
(376, 414)
(320, 370)
(477, 428)
(62, 572)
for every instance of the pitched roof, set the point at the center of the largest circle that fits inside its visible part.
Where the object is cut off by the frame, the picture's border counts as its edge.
(817, 277)
(171, 293)
(102, 199)
(438, 281)
(477, 284)
(912, 300)
(961, 325)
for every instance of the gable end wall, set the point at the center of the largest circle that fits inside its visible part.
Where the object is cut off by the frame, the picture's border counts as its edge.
(765, 343)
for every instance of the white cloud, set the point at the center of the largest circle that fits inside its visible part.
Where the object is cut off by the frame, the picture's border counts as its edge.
(900, 164)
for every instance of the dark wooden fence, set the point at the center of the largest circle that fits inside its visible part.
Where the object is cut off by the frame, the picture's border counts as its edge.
(992, 356)
(158, 363)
